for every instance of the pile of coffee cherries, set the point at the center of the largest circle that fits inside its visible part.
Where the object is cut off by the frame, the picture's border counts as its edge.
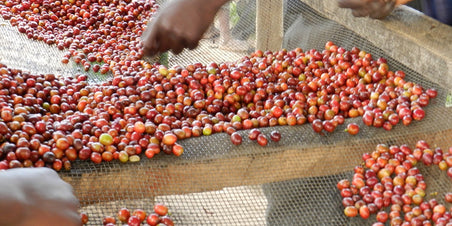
(95, 33)
(146, 108)
(160, 216)
(389, 179)
(48, 120)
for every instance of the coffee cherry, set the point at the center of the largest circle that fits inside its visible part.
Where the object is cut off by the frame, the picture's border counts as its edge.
(448, 197)
(275, 136)
(84, 217)
(236, 138)
(351, 211)
(169, 139)
(153, 219)
(352, 128)
(160, 209)
(108, 220)
(177, 149)
(106, 139)
(124, 215)
(262, 139)
(165, 220)
(134, 221)
(254, 134)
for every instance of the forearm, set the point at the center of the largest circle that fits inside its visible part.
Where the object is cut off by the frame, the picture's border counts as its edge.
(214, 4)
(209, 5)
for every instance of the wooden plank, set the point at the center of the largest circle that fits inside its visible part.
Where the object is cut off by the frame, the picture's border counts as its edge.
(269, 24)
(183, 177)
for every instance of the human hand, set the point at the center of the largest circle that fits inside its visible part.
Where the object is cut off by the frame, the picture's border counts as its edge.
(376, 9)
(179, 24)
(36, 197)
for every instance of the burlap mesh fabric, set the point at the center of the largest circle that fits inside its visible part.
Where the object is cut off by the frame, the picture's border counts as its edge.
(292, 182)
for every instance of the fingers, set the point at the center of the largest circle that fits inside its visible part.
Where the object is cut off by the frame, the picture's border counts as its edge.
(160, 42)
(150, 41)
(376, 9)
(177, 49)
(384, 9)
(360, 12)
(151, 48)
(192, 43)
(352, 4)
(154, 43)
(172, 41)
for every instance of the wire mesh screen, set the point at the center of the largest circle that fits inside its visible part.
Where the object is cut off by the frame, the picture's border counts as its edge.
(290, 182)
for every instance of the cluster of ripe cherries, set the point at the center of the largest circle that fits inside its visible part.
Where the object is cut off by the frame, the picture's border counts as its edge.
(160, 216)
(390, 181)
(49, 120)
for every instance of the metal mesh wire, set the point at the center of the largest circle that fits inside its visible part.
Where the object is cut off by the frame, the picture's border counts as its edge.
(292, 182)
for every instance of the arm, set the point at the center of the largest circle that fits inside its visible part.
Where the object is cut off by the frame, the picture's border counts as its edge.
(377, 9)
(36, 196)
(402, 2)
(179, 24)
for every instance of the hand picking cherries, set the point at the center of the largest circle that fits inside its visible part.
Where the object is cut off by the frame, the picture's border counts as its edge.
(389, 181)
